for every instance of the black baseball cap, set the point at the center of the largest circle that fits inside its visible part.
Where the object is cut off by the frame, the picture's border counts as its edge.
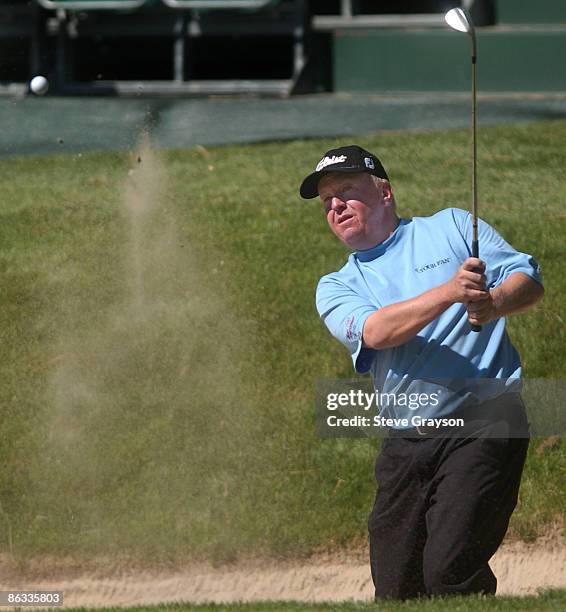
(344, 159)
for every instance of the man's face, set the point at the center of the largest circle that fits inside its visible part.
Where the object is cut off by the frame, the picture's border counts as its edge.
(354, 207)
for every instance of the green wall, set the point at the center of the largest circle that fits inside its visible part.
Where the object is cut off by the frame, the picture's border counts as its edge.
(530, 11)
(438, 60)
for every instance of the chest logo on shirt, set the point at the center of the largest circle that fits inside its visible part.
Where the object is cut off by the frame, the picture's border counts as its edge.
(434, 264)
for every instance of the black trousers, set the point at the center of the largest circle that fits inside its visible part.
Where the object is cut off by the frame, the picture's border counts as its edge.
(441, 511)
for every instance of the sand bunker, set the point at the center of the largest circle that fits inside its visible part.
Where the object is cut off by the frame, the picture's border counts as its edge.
(521, 569)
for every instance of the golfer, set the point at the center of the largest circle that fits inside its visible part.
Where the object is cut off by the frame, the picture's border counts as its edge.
(403, 305)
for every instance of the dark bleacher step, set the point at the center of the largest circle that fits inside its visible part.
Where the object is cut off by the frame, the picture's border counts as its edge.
(275, 87)
(325, 23)
(13, 90)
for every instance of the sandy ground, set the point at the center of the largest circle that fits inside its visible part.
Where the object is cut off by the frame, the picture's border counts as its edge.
(521, 569)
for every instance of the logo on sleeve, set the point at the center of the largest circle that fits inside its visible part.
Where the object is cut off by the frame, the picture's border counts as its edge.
(350, 333)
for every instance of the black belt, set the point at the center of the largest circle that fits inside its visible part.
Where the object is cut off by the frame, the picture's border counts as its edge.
(507, 409)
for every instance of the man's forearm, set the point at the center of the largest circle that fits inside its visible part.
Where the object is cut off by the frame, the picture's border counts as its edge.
(395, 324)
(517, 294)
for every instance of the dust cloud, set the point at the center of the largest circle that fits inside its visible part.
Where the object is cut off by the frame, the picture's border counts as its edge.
(149, 428)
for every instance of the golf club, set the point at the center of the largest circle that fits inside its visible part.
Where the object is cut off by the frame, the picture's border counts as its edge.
(459, 19)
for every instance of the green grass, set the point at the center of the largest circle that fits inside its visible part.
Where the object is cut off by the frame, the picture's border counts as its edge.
(546, 600)
(172, 415)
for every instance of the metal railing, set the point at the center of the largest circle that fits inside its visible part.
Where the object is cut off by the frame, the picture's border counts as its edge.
(219, 4)
(116, 5)
(92, 5)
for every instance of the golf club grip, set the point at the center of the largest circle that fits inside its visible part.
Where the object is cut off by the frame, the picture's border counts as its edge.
(475, 253)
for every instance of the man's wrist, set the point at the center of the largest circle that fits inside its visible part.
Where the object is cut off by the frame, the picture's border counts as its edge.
(497, 301)
(443, 296)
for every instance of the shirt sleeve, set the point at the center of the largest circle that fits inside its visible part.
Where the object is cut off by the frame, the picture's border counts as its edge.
(500, 257)
(344, 312)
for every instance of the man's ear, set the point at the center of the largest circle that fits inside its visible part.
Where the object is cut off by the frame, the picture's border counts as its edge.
(386, 192)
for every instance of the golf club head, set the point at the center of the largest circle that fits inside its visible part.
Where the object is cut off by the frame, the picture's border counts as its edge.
(459, 19)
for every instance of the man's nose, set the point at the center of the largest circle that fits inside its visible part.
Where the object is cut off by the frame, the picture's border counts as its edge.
(337, 205)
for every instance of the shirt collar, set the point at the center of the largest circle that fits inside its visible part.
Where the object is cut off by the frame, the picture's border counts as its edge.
(379, 249)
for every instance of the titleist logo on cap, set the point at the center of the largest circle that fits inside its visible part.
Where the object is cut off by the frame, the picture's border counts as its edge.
(328, 161)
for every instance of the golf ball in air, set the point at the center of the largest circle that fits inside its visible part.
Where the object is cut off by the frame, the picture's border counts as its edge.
(39, 85)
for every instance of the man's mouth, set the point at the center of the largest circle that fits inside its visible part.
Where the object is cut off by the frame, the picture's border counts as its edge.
(343, 218)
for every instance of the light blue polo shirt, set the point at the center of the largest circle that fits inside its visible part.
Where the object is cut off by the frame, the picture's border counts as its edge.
(445, 356)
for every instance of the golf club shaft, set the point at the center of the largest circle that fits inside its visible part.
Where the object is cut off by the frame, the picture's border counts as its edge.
(475, 244)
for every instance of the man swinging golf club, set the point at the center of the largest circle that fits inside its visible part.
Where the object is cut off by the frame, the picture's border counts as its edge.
(403, 305)
(417, 307)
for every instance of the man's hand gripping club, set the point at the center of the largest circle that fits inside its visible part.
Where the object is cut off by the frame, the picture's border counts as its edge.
(468, 286)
